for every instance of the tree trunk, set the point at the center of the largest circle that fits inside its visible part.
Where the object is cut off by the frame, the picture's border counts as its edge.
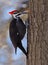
(38, 33)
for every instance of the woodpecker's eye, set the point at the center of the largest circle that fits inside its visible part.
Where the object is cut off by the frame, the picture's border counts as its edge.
(15, 13)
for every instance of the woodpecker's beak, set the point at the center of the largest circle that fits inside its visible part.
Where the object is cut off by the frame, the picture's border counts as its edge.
(15, 13)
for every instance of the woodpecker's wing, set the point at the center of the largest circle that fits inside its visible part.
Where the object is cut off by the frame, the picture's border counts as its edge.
(21, 27)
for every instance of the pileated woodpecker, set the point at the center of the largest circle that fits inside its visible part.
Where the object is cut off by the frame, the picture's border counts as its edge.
(17, 30)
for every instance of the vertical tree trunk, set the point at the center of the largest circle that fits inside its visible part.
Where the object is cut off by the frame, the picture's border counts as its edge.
(38, 33)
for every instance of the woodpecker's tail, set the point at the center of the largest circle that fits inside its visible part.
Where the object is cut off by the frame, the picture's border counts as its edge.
(15, 50)
(22, 48)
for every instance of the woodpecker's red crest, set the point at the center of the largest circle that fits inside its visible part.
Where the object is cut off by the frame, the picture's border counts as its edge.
(12, 12)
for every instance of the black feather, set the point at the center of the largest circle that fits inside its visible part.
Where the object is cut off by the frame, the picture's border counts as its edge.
(17, 31)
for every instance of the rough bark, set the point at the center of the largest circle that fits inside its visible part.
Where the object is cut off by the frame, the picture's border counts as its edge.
(38, 33)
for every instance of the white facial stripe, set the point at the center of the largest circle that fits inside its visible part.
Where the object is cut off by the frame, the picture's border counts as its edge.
(14, 15)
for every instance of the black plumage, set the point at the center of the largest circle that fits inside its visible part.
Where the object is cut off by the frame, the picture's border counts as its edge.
(17, 30)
